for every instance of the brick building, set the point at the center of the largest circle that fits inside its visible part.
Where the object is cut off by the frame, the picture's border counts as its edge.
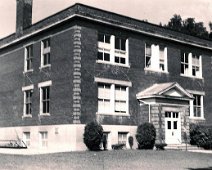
(85, 64)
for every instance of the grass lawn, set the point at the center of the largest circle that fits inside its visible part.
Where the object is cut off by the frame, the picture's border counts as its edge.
(114, 160)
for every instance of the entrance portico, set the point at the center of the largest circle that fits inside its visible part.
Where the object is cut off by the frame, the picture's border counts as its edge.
(168, 110)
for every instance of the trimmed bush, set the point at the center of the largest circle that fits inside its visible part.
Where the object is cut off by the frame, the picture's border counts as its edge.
(130, 140)
(145, 136)
(93, 134)
(201, 136)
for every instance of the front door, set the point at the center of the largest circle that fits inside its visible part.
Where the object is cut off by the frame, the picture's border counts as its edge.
(172, 128)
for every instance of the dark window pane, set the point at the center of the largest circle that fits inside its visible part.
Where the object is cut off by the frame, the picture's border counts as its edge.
(186, 57)
(175, 124)
(116, 59)
(107, 38)
(123, 44)
(169, 124)
(122, 60)
(182, 69)
(117, 43)
(100, 56)
(101, 37)
(107, 57)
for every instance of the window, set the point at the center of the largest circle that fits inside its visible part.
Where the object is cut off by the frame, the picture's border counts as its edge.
(45, 97)
(45, 56)
(104, 98)
(112, 98)
(112, 49)
(196, 107)
(28, 58)
(27, 107)
(184, 64)
(26, 138)
(191, 64)
(156, 57)
(120, 99)
(122, 138)
(28, 102)
(43, 139)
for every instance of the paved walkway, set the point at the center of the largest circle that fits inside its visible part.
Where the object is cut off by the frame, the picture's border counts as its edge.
(46, 151)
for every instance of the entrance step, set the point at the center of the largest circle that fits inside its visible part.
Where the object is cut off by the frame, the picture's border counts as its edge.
(182, 147)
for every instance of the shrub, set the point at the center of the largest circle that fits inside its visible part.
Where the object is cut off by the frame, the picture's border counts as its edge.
(160, 146)
(145, 136)
(93, 134)
(104, 142)
(130, 140)
(201, 136)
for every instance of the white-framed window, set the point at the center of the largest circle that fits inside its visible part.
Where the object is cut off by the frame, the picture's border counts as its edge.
(122, 138)
(113, 98)
(112, 50)
(45, 53)
(28, 58)
(45, 97)
(27, 108)
(156, 57)
(26, 138)
(191, 64)
(43, 139)
(197, 107)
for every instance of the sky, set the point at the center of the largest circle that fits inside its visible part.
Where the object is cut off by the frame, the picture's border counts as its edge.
(155, 11)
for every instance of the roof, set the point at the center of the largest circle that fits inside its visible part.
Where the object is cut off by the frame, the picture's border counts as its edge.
(108, 18)
(171, 89)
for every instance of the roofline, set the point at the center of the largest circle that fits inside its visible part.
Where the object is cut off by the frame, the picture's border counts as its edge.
(103, 22)
(163, 97)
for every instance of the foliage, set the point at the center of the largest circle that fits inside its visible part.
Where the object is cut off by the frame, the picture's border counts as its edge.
(145, 136)
(104, 142)
(93, 134)
(160, 146)
(189, 26)
(118, 146)
(130, 140)
(201, 136)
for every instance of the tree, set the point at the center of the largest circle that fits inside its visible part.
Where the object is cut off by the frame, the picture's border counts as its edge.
(175, 23)
(188, 26)
(93, 134)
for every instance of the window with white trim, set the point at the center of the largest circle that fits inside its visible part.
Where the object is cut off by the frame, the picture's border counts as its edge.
(45, 99)
(112, 98)
(28, 102)
(156, 57)
(28, 58)
(120, 50)
(112, 50)
(191, 64)
(122, 138)
(196, 107)
(44, 139)
(45, 53)
(26, 138)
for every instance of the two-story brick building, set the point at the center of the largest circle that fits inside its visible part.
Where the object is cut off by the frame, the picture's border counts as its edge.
(85, 64)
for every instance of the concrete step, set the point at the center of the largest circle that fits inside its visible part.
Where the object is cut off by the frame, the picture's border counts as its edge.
(182, 147)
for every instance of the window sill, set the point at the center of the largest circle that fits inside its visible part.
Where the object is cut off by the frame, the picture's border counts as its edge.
(197, 118)
(188, 76)
(155, 70)
(28, 71)
(114, 64)
(114, 114)
(45, 66)
(27, 116)
(44, 114)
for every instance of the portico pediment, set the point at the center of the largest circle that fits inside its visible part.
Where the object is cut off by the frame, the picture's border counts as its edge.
(165, 90)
